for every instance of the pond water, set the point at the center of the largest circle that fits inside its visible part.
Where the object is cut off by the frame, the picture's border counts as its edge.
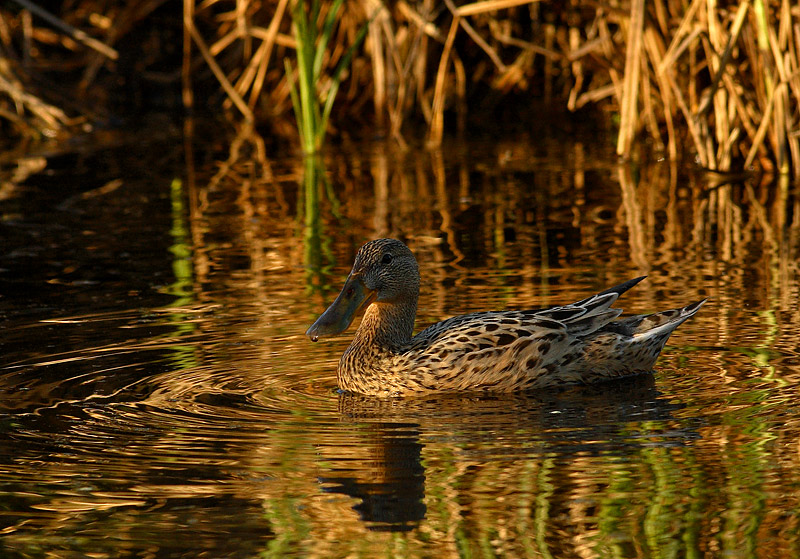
(158, 397)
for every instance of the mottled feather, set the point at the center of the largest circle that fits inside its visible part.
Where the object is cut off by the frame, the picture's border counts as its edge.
(501, 351)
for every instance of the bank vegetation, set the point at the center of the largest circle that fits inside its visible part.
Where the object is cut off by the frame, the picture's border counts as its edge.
(716, 81)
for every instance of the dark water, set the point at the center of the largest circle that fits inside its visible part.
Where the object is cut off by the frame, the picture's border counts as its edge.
(158, 397)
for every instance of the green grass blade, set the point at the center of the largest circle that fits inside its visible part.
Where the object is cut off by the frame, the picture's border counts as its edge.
(312, 42)
(325, 37)
(304, 36)
(298, 111)
(315, 5)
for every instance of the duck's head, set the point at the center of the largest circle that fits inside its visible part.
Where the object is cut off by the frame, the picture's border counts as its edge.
(385, 272)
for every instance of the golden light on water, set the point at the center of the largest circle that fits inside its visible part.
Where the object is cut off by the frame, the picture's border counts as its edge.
(195, 417)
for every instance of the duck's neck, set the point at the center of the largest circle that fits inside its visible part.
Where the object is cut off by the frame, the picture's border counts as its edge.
(384, 330)
(387, 326)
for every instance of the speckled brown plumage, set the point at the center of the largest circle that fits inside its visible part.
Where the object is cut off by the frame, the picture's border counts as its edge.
(500, 351)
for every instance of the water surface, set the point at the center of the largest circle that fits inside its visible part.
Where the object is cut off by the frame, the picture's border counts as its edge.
(158, 397)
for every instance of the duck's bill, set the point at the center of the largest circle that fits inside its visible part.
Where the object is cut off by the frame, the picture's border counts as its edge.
(338, 317)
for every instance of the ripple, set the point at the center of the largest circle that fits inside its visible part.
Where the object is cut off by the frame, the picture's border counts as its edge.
(189, 415)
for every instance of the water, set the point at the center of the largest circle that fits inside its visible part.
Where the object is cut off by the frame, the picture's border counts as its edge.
(158, 397)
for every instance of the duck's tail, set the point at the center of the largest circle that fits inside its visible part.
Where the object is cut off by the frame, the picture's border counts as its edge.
(632, 345)
(661, 323)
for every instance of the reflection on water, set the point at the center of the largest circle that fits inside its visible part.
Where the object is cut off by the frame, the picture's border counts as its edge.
(158, 397)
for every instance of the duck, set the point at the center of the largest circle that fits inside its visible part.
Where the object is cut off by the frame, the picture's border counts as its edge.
(492, 351)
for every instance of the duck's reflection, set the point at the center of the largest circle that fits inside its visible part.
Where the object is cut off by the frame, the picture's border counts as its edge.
(389, 485)
(385, 469)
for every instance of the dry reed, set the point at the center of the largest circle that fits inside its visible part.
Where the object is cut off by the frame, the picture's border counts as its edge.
(716, 79)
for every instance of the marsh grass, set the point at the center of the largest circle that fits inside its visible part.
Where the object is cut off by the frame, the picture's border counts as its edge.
(313, 93)
(717, 82)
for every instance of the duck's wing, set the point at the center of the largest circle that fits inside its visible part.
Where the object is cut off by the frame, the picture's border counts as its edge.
(483, 330)
(506, 349)
(489, 350)
(591, 314)
(499, 328)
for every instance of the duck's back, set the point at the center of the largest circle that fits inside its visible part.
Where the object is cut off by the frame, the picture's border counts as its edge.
(519, 350)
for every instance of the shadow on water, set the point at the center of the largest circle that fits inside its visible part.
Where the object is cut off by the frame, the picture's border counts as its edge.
(158, 397)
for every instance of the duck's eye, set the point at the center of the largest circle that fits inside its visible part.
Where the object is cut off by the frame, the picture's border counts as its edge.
(386, 258)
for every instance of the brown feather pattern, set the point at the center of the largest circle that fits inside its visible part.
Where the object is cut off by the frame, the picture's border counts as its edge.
(498, 351)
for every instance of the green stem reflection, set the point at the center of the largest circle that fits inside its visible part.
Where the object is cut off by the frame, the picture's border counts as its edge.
(317, 253)
(182, 268)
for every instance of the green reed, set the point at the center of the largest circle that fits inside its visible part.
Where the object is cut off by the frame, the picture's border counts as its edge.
(312, 94)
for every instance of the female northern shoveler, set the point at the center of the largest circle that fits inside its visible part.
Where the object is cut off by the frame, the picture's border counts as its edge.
(500, 351)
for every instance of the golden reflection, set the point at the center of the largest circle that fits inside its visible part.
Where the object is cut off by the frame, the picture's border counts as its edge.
(498, 223)
(632, 216)
(501, 219)
(243, 442)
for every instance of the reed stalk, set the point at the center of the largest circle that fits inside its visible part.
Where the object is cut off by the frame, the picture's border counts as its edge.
(312, 103)
(631, 85)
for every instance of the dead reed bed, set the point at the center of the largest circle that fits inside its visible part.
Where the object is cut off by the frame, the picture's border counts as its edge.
(718, 81)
